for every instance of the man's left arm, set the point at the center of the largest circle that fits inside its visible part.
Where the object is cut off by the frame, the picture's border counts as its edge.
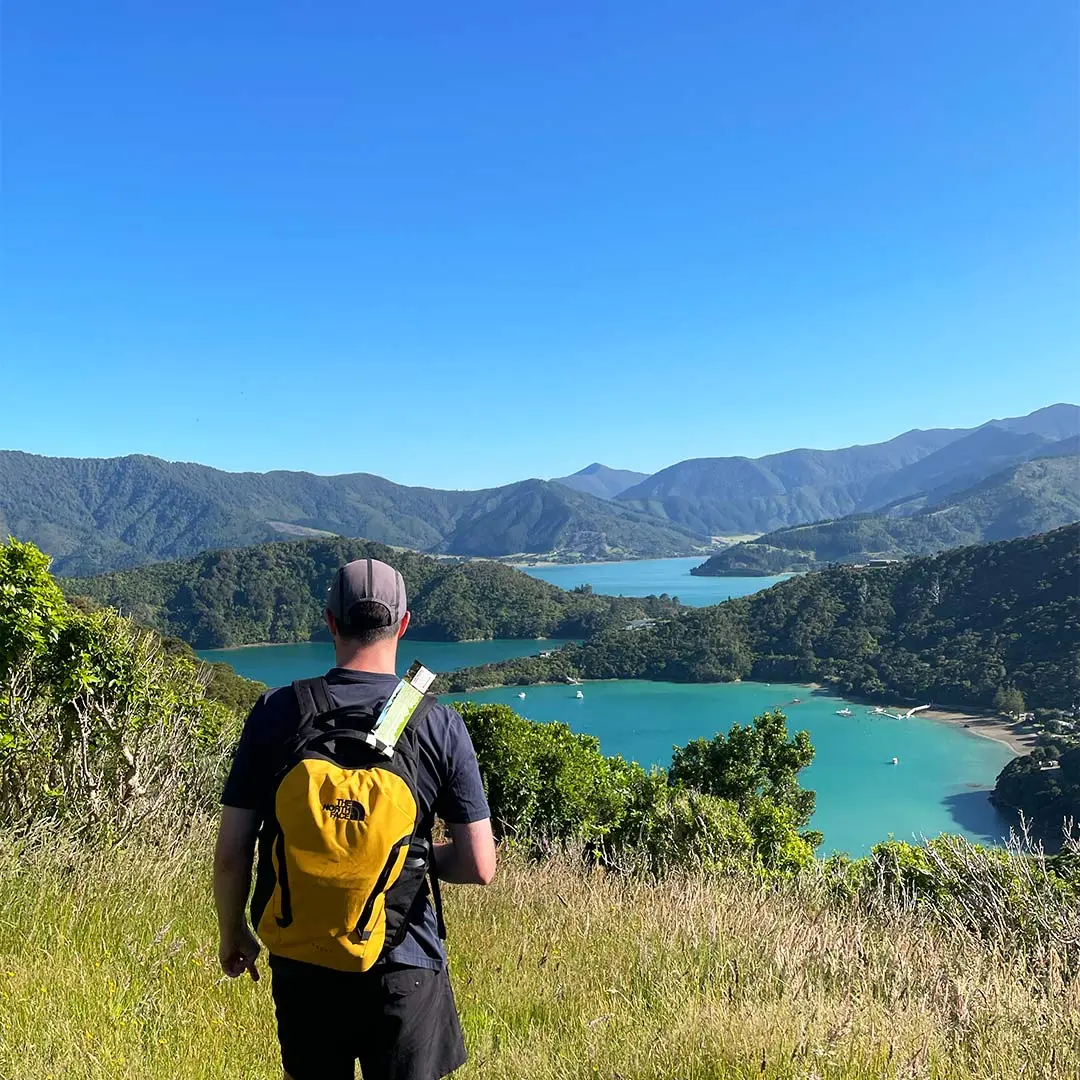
(239, 948)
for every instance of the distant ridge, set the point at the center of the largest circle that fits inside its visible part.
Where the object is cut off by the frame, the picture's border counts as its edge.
(601, 481)
(1032, 497)
(99, 514)
(727, 496)
(94, 515)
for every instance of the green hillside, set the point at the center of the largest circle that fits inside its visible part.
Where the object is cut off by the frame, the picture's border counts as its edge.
(1029, 498)
(92, 515)
(953, 629)
(276, 593)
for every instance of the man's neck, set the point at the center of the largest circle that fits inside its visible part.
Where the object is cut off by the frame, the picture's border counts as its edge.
(377, 659)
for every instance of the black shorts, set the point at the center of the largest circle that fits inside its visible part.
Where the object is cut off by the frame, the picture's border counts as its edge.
(400, 1023)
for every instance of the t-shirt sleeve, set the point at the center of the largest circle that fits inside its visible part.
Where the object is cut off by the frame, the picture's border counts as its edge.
(245, 787)
(462, 799)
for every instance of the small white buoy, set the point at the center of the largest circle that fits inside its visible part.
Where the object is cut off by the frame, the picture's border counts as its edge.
(579, 694)
(522, 695)
(896, 761)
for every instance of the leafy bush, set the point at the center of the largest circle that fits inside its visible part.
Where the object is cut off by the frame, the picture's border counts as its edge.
(752, 763)
(550, 787)
(98, 725)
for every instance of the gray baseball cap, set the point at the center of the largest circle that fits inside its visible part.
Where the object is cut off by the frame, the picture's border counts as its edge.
(370, 580)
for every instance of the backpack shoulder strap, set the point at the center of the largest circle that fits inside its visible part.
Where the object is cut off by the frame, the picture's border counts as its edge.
(423, 707)
(313, 698)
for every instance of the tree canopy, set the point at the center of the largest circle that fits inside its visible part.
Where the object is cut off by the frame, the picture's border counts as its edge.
(277, 593)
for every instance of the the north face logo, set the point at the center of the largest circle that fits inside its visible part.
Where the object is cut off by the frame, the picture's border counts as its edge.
(345, 810)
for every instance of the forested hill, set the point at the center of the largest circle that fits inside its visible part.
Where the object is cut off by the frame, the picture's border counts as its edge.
(953, 629)
(276, 593)
(101, 514)
(1029, 498)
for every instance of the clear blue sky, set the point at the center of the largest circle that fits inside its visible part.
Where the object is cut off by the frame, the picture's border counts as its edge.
(459, 244)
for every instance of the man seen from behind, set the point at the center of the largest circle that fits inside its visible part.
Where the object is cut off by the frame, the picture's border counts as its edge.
(344, 826)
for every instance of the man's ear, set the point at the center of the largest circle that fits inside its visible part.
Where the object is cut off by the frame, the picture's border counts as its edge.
(404, 624)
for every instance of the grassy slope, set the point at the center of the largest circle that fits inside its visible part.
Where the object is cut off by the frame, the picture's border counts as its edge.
(108, 969)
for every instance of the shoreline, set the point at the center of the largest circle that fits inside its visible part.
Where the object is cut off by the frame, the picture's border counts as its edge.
(595, 562)
(980, 724)
(984, 725)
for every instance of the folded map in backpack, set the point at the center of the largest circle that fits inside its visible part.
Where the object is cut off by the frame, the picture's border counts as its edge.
(401, 704)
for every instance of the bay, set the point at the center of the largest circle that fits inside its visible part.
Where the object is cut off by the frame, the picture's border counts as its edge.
(940, 785)
(276, 665)
(645, 577)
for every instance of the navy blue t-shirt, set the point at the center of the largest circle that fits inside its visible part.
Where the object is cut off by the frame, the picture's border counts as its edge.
(448, 780)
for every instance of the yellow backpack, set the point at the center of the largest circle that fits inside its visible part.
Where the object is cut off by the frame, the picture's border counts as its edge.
(347, 863)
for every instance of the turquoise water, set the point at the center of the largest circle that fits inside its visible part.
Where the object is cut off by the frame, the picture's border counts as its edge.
(939, 785)
(644, 577)
(276, 665)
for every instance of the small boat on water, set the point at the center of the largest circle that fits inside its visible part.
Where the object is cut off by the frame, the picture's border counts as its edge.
(896, 761)
(579, 694)
(522, 695)
(795, 701)
(844, 712)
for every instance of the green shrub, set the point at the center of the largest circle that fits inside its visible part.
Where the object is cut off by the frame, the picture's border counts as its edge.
(98, 725)
(548, 786)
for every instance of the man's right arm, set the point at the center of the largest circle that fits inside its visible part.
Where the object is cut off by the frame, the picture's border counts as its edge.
(469, 857)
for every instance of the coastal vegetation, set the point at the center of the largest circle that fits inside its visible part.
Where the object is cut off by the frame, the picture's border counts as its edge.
(1044, 786)
(677, 923)
(277, 593)
(1033, 497)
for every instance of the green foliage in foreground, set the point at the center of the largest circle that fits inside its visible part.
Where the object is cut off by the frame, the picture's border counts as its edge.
(549, 787)
(277, 592)
(100, 724)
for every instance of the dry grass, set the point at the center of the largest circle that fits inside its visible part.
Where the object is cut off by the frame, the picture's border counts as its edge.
(107, 969)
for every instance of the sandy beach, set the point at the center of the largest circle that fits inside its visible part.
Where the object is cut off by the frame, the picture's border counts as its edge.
(989, 727)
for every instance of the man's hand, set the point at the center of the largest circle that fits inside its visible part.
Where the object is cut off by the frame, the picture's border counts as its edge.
(238, 952)
(232, 883)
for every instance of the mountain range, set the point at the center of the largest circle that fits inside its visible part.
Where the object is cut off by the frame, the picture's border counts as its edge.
(731, 496)
(602, 481)
(94, 515)
(1032, 497)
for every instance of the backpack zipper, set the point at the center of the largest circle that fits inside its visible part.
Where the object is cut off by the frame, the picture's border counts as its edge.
(379, 887)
